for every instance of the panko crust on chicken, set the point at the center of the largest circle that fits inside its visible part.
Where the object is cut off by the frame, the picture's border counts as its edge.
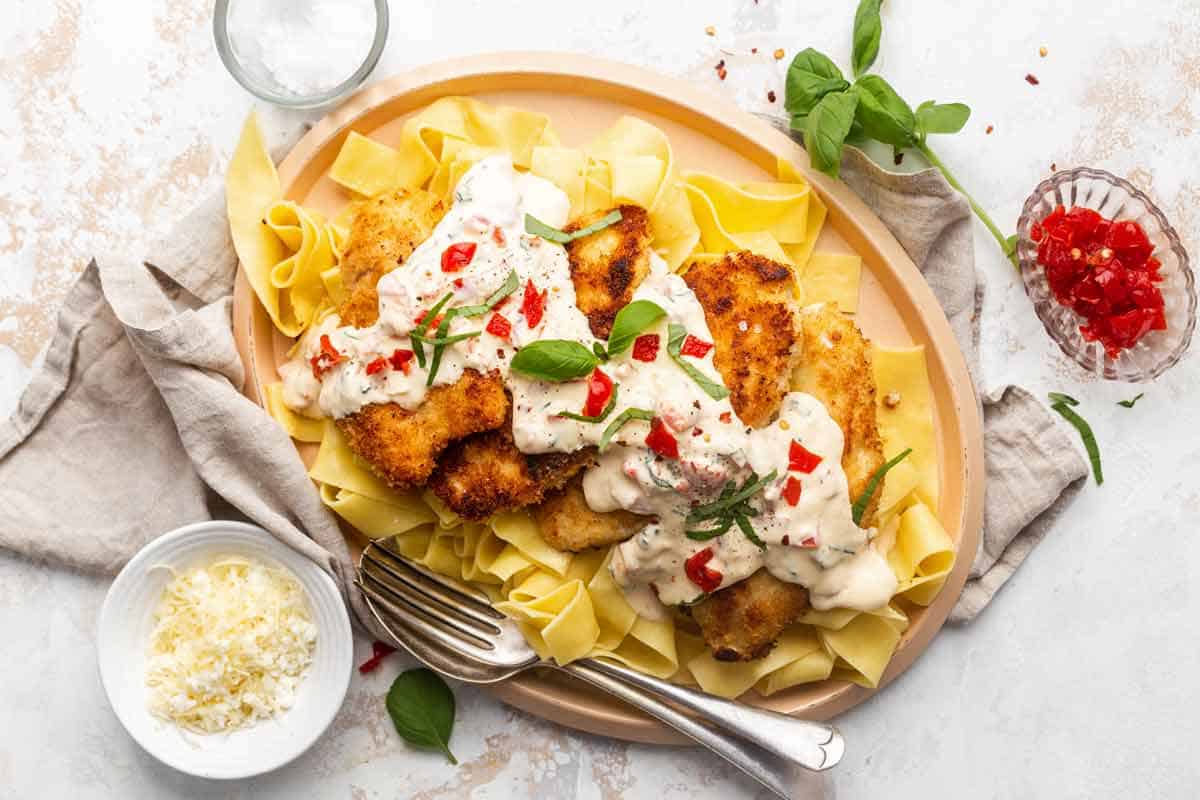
(750, 305)
(607, 266)
(741, 622)
(567, 522)
(385, 231)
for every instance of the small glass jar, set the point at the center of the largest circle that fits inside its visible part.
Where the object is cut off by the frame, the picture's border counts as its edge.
(1114, 198)
(265, 88)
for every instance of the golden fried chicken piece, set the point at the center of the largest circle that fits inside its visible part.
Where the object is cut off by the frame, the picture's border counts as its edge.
(402, 446)
(751, 309)
(486, 473)
(385, 231)
(742, 621)
(607, 266)
(567, 523)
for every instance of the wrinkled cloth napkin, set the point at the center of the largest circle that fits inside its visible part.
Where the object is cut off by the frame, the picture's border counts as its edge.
(136, 424)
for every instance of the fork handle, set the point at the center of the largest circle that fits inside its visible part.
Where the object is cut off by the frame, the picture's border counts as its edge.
(776, 750)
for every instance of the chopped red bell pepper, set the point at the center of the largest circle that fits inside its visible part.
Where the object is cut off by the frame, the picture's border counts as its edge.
(791, 491)
(402, 360)
(377, 365)
(498, 236)
(698, 572)
(326, 359)
(599, 390)
(809, 543)
(645, 347)
(800, 459)
(499, 326)
(661, 441)
(533, 305)
(696, 348)
(379, 651)
(457, 256)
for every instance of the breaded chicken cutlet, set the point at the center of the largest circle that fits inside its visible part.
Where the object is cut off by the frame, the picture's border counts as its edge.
(607, 266)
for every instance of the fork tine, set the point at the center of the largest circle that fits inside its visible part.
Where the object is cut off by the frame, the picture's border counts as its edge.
(398, 607)
(430, 583)
(422, 605)
(432, 599)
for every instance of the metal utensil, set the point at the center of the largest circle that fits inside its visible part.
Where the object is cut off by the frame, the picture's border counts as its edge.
(452, 629)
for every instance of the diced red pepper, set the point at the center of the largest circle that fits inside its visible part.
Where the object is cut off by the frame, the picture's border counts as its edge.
(800, 459)
(498, 236)
(499, 326)
(379, 651)
(661, 441)
(809, 543)
(377, 365)
(645, 347)
(791, 491)
(698, 572)
(599, 390)
(326, 359)
(726, 417)
(458, 283)
(402, 360)
(533, 305)
(457, 256)
(696, 348)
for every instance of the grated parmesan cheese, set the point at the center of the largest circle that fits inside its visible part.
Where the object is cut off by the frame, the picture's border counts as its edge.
(230, 646)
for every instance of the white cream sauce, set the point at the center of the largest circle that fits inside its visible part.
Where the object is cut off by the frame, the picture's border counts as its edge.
(814, 543)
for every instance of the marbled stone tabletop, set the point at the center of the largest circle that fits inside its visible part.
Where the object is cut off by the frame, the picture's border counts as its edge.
(1078, 681)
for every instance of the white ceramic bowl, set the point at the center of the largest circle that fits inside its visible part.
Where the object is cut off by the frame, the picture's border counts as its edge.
(127, 619)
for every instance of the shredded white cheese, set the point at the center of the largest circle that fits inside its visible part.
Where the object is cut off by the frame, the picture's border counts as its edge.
(230, 646)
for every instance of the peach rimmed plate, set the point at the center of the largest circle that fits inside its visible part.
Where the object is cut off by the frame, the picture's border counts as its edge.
(583, 95)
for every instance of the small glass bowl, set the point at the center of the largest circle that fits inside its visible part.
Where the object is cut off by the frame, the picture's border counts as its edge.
(268, 90)
(1114, 198)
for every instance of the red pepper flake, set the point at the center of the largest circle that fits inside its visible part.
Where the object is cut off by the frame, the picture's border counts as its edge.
(645, 347)
(726, 417)
(809, 543)
(720, 65)
(599, 389)
(696, 348)
(457, 256)
(722, 73)
(1031, 79)
(499, 326)
(327, 359)
(533, 305)
(754, 50)
(379, 651)
(770, 95)
(1053, 167)
(698, 572)
(801, 459)
(989, 129)
(401, 360)
(458, 283)
(791, 491)
(498, 236)
(660, 439)
(377, 365)
(697, 431)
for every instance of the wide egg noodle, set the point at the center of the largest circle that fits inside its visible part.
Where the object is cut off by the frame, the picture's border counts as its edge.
(833, 278)
(373, 518)
(309, 254)
(923, 555)
(901, 374)
(298, 426)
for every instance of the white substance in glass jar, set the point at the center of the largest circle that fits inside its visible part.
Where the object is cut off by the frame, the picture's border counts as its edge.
(305, 46)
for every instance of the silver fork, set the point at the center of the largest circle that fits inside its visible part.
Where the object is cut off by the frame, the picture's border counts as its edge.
(452, 629)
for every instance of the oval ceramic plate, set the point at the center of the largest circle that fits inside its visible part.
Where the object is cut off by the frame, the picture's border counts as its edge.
(127, 620)
(582, 96)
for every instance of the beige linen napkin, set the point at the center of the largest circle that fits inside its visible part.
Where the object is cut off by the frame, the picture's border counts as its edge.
(135, 424)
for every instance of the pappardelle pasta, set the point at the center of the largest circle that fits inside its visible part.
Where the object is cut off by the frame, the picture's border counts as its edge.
(569, 605)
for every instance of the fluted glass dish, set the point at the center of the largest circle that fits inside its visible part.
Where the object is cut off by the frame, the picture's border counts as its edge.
(1116, 199)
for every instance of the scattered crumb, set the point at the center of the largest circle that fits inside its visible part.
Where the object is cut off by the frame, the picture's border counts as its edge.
(1031, 79)
(770, 95)
(989, 129)
(754, 50)
(891, 399)
(722, 72)
(898, 158)
(720, 65)
(1053, 167)
(710, 30)
(1043, 52)
(779, 54)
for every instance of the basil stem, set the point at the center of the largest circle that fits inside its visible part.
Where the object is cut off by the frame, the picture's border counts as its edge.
(627, 415)
(603, 415)
(675, 335)
(536, 227)
(860, 505)
(423, 326)
(1059, 397)
(508, 287)
(1085, 433)
(1131, 403)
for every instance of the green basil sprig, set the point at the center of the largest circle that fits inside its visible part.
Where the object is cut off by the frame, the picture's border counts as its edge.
(508, 287)
(820, 101)
(423, 327)
(421, 706)
(628, 415)
(1132, 402)
(603, 415)
(629, 322)
(554, 360)
(731, 508)
(676, 333)
(860, 504)
(1062, 404)
(535, 226)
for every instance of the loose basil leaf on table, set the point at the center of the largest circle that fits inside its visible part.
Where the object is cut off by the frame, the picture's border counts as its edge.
(941, 117)
(421, 706)
(1132, 402)
(1062, 404)
(810, 77)
(554, 360)
(630, 322)
(867, 30)
(826, 128)
(885, 117)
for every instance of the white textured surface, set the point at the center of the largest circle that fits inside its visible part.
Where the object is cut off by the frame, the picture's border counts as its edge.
(1079, 681)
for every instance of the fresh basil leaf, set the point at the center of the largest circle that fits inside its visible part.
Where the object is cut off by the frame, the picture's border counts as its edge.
(444, 340)
(811, 76)
(1131, 403)
(554, 360)
(675, 335)
(860, 505)
(743, 522)
(439, 347)
(627, 415)
(421, 706)
(631, 321)
(603, 415)
(826, 128)
(885, 117)
(941, 117)
(423, 326)
(536, 227)
(867, 30)
(1085, 433)
(508, 287)
(600, 352)
(710, 533)
(1059, 397)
